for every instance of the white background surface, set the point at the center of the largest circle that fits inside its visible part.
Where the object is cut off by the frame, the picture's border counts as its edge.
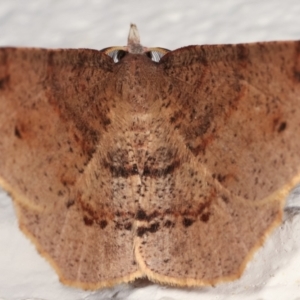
(274, 273)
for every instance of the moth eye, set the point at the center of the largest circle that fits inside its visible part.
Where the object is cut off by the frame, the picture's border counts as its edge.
(155, 54)
(120, 54)
(115, 53)
(149, 54)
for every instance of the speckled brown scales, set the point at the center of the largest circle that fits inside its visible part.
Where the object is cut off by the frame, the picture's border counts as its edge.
(174, 170)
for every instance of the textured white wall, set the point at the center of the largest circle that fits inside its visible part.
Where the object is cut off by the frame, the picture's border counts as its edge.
(274, 272)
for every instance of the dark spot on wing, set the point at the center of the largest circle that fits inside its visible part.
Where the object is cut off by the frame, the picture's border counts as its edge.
(169, 224)
(60, 193)
(141, 215)
(88, 221)
(18, 133)
(205, 217)
(219, 177)
(70, 203)
(128, 226)
(143, 229)
(282, 127)
(187, 222)
(103, 224)
(153, 227)
(177, 116)
(4, 82)
(225, 198)
(297, 75)
(279, 125)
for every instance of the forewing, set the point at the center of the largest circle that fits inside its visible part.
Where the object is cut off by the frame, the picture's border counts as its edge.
(225, 156)
(240, 112)
(54, 110)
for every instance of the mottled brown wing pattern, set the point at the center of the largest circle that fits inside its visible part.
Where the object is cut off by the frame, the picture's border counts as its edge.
(240, 102)
(232, 128)
(55, 107)
(175, 170)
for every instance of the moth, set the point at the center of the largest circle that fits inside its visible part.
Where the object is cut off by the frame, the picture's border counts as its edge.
(143, 162)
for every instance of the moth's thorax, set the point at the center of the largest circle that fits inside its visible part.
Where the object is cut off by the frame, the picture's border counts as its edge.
(137, 77)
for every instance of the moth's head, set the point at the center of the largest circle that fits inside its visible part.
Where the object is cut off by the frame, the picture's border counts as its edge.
(134, 47)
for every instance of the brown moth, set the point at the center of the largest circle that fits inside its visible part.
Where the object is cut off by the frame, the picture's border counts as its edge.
(142, 162)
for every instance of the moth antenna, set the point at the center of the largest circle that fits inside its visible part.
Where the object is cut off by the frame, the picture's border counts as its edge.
(133, 45)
